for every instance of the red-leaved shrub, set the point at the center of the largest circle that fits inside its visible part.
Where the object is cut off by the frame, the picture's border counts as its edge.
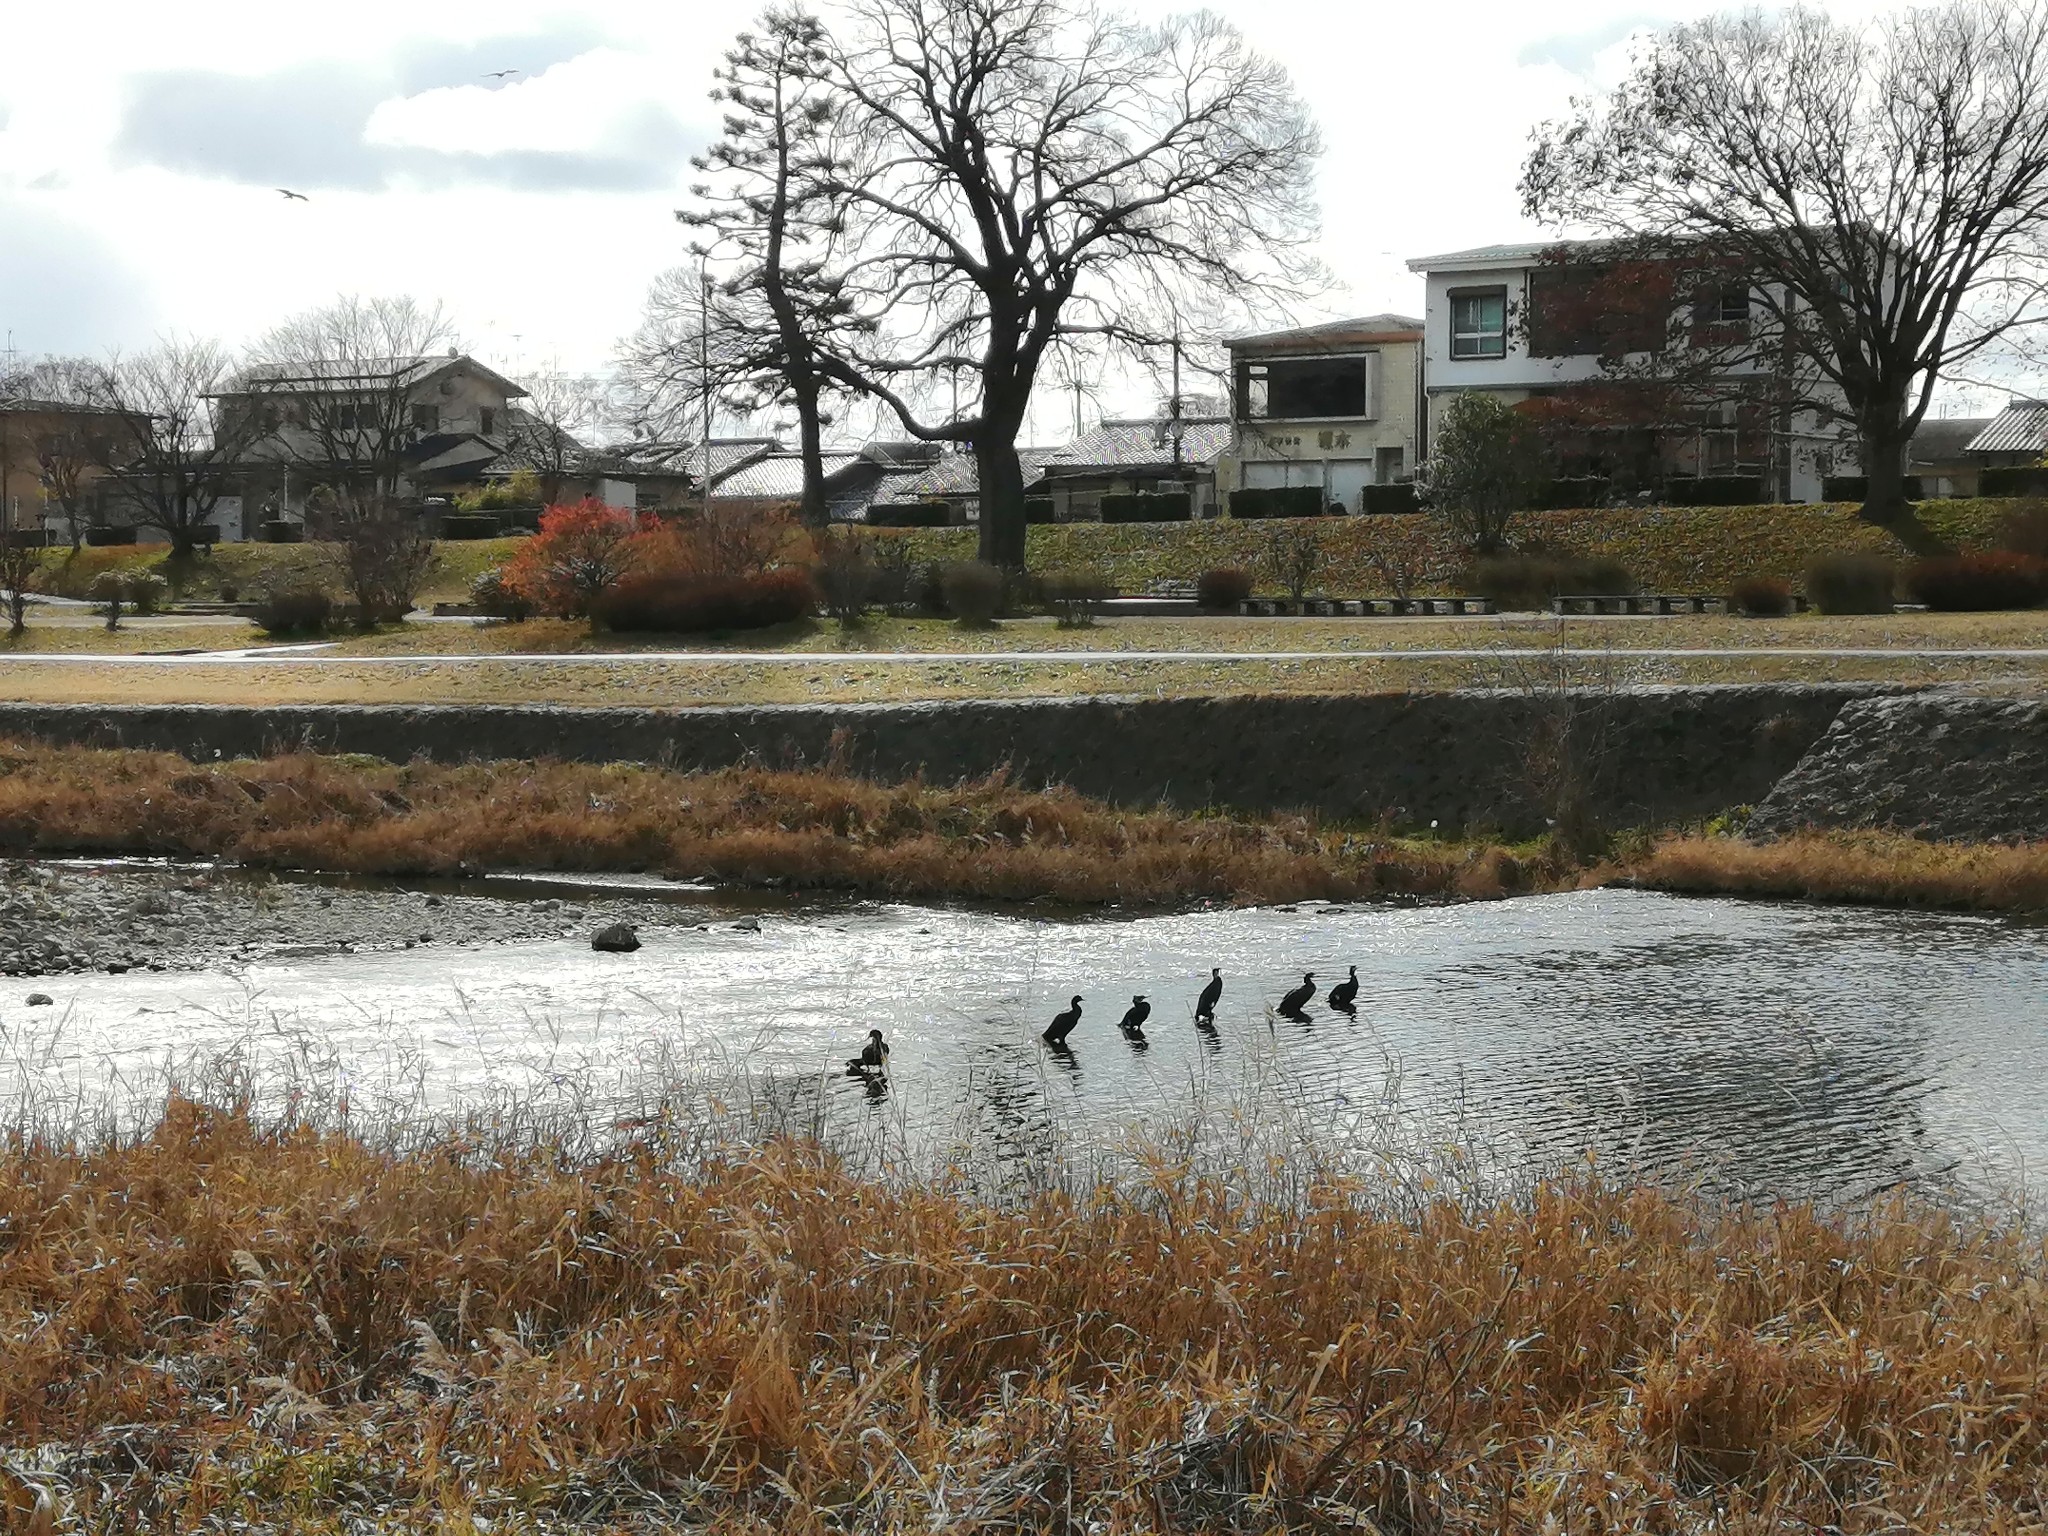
(579, 555)
(684, 604)
(1760, 597)
(1979, 583)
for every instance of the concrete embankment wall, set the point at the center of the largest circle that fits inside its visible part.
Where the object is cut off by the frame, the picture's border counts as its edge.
(1939, 765)
(1460, 759)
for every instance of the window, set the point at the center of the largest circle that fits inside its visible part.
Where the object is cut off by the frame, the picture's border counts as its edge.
(426, 418)
(1479, 323)
(1722, 306)
(487, 420)
(1309, 388)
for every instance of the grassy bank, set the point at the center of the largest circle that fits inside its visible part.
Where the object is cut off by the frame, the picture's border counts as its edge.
(246, 569)
(1880, 868)
(738, 826)
(220, 1326)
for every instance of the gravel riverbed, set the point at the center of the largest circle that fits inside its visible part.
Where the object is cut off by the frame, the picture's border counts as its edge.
(59, 918)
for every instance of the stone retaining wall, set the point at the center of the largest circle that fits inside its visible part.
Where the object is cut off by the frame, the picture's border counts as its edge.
(1650, 755)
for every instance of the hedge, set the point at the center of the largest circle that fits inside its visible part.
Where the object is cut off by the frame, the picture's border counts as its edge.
(909, 514)
(1857, 487)
(2013, 482)
(1148, 507)
(1398, 497)
(470, 525)
(1277, 501)
(1717, 491)
(1038, 510)
(280, 531)
(100, 538)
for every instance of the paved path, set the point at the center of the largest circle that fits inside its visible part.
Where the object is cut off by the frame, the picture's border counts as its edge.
(322, 654)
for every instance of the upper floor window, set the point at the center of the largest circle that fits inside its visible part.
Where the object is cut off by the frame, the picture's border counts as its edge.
(487, 420)
(427, 417)
(1722, 306)
(1308, 388)
(1479, 323)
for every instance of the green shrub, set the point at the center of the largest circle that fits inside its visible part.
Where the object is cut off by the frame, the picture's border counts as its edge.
(495, 598)
(1979, 583)
(1760, 597)
(470, 525)
(910, 514)
(973, 592)
(1075, 597)
(1038, 510)
(2013, 482)
(147, 591)
(1148, 507)
(663, 603)
(1523, 582)
(1398, 497)
(1277, 501)
(1223, 588)
(1851, 583)
(303, 610)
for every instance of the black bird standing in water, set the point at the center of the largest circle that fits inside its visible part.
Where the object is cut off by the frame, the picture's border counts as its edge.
(1300, 997)
(1062, 1024)
(1205, 1005)
(873, 1057)
(1344, 996)
(1133, 1021)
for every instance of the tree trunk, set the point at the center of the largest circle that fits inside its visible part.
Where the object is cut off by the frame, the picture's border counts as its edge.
(812, 510)
(1002, 495)
(1884, 446)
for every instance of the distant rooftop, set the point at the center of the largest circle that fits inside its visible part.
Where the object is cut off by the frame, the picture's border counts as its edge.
(2022, 427)
(1144, 444)
(345, 374)
(1514, 255)
(1336, 333)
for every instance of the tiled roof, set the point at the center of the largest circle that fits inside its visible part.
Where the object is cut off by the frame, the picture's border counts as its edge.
(1943, 438)
(779, 476)
(1331, 332)
(1142, 445)
(2021, 427)
(357, 374)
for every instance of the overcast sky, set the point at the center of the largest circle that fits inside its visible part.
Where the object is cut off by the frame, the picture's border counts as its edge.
(140, 146)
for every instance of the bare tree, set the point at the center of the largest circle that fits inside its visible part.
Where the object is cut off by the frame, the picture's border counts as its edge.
(167, 453)
(69, 438)
(549, 432)
(1887, 185)
(1035, 174)
(775, 313)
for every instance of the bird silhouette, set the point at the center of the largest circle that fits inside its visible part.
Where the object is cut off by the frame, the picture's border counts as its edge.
(1133, 1021)
(1344, 995)
(873, 1057)
(497, 74)
(1300, 997)
(1062, 1024)
(1205, 1005)
(290, 196)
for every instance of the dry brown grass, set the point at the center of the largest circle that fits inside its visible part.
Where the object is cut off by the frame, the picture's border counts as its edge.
(1883, 868)
(984, 840)
(221, 1327)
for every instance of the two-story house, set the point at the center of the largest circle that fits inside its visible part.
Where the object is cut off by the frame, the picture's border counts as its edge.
(1649, 374)
(1335, 406)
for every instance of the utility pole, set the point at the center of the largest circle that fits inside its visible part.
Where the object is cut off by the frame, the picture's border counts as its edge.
(1174, 404)
(1077, 404)
(704, 369)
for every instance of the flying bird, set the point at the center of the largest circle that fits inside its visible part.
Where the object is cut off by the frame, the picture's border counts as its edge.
(496, 74)
(290, 196)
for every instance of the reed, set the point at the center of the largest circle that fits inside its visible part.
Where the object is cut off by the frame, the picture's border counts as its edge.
(230, 1323)
(811, 828)
(1885, 868)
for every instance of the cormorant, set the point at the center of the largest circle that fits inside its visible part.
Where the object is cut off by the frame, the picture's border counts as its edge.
(873, 1057)
(1134, 1018)
(1301, 996)
(1062, 1024)
(1344, 995)
(1205, 1005)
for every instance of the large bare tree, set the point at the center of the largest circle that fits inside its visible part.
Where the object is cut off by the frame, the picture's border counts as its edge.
(552, 431)
(1033, 175)
(69, 440)
(1885, 186)
(167, 452)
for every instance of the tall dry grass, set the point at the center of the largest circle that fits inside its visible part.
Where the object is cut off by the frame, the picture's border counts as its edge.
(1882, 868)
(984, 840)
(223, 1326)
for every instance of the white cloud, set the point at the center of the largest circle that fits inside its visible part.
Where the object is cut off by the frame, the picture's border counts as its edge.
(593, 102)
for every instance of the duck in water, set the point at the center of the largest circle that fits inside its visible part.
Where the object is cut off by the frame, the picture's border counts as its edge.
(1133, 1021)
(1300, 997)
(1062, 1024)
(1344, 996)
(873, 1057)
(1205, 1005)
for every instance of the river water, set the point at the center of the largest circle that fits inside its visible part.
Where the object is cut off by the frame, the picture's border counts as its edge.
(1765, 1048)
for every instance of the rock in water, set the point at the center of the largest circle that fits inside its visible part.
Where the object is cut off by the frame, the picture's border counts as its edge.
(39, 1000)
(747, 925)
(618, 939)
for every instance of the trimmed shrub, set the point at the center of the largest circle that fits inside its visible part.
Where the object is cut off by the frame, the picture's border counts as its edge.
(2026, 481)
(1148, 507)
(842, 575)
(495, 598)
(1760, 597)
(651, 602)
(1223, 588)
(973, 591)
(1978, 583)
(1851, 583)
(910, 514)
(1857, 488)
(1398, 497)
(147, 591)
(1530, 581)
(279, 531)
(1038, 510)
(100, 538)
(294, 611)
(470, 525)
(1572, 491)
(2025, 530)
(1713, 491)
(1277, 501)
(1073, 597)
